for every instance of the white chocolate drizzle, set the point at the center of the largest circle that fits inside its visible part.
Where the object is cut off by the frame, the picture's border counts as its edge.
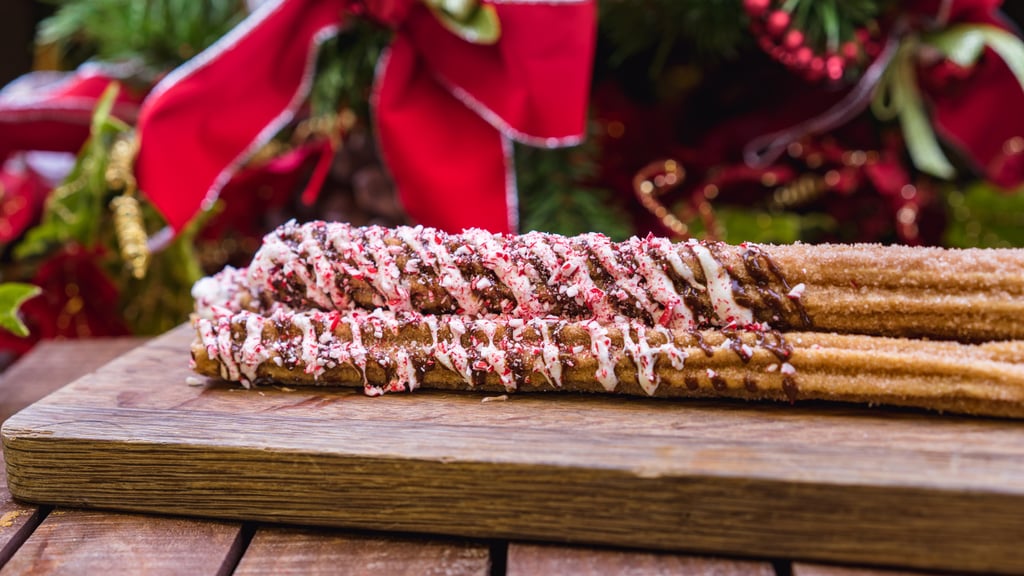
(311, 341)
(720, 287)
(478, 273)
(600, 345)
(504, 327)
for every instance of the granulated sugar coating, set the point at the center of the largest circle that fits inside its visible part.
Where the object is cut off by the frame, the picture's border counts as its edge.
(398, 309)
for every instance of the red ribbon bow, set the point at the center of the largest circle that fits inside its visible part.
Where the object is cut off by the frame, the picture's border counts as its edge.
(446, 110)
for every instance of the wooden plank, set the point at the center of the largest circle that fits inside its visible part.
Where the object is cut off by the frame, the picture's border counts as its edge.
(530, 560)
(32, 377)
(803, 569)
(54, 363)
(17, 521)
(278, 550)
(812, 483)
(88, 542)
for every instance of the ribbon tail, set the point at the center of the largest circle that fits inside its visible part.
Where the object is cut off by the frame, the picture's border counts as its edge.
(451, 168)
(205, 118)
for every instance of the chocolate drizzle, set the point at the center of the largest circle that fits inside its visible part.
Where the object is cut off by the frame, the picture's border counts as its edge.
(698, 340)
(779, 347)
(485, 293)
(333, 266)
(766, 278)
(789, 386)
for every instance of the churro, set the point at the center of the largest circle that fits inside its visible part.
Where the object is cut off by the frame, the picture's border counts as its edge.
(398, 309)
(966, 295)
(383, 351)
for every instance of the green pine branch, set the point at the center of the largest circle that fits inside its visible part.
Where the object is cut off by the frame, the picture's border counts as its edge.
(554, 195)
(714, 29)
(162, 33)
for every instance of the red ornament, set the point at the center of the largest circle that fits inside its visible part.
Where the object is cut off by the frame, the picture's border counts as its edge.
(777, 22)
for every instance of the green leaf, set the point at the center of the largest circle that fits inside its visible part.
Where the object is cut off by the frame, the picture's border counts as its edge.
(898, 94)
(481, 26)
(74, 211)
(101, 115)
(12, 296)
(922, 143)
(961, 44)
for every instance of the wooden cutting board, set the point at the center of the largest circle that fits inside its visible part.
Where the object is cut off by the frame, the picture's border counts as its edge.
(814, 482)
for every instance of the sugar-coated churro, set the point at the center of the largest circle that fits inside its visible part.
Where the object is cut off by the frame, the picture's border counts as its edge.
(398, 309)
(384, 351)
(968, 295)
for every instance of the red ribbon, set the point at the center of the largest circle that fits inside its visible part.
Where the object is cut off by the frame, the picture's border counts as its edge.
(52, 110)
(446, 110)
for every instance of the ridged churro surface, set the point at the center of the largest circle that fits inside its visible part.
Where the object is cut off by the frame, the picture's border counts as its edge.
(388, 352)
(398, 309)
(968, 295)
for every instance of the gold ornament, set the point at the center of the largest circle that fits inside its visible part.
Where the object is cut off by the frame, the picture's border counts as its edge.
(129, 226)
(655, 180)
(801, 191)
(131, 234)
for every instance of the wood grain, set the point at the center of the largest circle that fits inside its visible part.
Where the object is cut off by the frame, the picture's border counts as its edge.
(301, 551)
(538, 560)
(54, 363)
(87, 542)
(803, 569)
(813, 483)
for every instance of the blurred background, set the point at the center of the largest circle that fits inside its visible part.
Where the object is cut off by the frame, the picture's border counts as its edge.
(738, 120)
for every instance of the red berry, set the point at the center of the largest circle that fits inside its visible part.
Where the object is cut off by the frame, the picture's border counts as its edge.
(803, 57)
(815, 69)
(777, 23)
(834, 67)
(793, 39)
(756, 8)
(850, 50)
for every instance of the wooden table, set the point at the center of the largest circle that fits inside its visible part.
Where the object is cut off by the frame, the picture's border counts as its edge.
(43, 540)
